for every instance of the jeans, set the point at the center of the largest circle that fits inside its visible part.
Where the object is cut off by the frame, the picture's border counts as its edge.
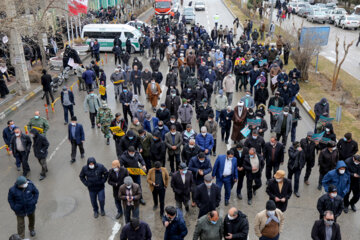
(118, 205)
(296, 173)
(266, 238)
(250, 177)
(159, 195)
(92, 118)
(227, 182)
(21, 224)
(73, 149)
(171, 159)
(94, 196)
(18, 162)
(67, 109)
(271, 166)
(216, 117)
(229, 97)
(240, 182)
(128, 210)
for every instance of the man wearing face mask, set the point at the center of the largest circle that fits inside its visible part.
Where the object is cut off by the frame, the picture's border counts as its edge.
(163, 113)
(229, 87)
(94, 175)
(76, 137)
(275, 101)
(347, 147)
(121, 123)
(339, 177)
(190, 150)
(209, 227)
(205, 141)
(92, 105)
(136, 229)
(184, 72)
(23, 197)
(308, 147)
(135, 125)
(41, 145)
(8, 133)
(103, 119)
(353, 165)
(296, 163)
(153, 91)
(125, 99)
(255, 141)
(274, 156)
(174, 223)
(279, 190)
(283, 125)
(200, 166)
(221, 102)
(269, 223)
(173, 102)
(130, 193)
(212, 127)
(235, 225)
(330, 201)
(150, 123)
(157, 149)
(163, 129)
(67, 101)
(130, 139)
(20, 147)
(38, 123)
(145, 140)
(173, 142)
(182, 183)
(116, 179)
(320, 109)
(326, 228)
(328, 158)
(140, 113)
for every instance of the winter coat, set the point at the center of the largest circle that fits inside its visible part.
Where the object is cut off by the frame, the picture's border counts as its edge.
(171, 80)
(40, 145)
(150, 124)
(257, 143)
(296, 159)
(117, 180)
(321, 108)
(340, 181)
(261, 96)
(40, 123)
(135, 77)
(347, 149)
(211, 76)
(226, 118)
(247, 164)
(279, 153)
(308, 148)
(206, 142)
(89, 76)
(157, 150)
(26, 142)
(204, 113)
(238, 124)
(205, 202)
(94, 179)
(261, 218)
(79, 133)
(221, 102)
(327, 160)
(129, 233)
(173, 103)
(325, 202)
(279, 121)
(212, 128)
(238, 227)
(195, 165)
(229, 84)
(273, 191)
(169, 143)
(187, 153)
(23, 201)
(131, 162)
(185, 113)
(353, 168)
(205, 230)
(272, 102)
(318, 231)
(181, 190)
(136, 193)
(177, 228)
(151, 177)
(286, 96)
(126, 97)
(92, 103)
(45, 82)
(163, 115)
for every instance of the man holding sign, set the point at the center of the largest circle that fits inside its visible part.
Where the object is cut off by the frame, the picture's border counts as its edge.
(39, 123)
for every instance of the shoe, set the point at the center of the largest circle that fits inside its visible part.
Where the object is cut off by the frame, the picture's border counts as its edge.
(102, 213)
(161, 214)
(119, 215)
(226, 202)
(307, 182)
(155, 207)
(249, 202)
(142, 202)
(346, 209)
(65, 123)
(222, 139)
(42, 177)
(214, 154)
(25, 174)
(170, 174)
(82, 156)
(108, 141)
(32, 233)
(19, 169)
(319, 187)
(72, 161)
(254, 192)
(226, 142)
(267, 182)
(353, 207)
(239, 196)
(96, 214)
(92, 126)
(297, 194)
(187, 208)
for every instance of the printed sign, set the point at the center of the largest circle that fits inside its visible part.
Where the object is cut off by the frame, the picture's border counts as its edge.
(317, 136)
(275, 110)
(253, 122)
(136, 171)
(245, 131)
(325, 119)
(117, 131)
(102, 90)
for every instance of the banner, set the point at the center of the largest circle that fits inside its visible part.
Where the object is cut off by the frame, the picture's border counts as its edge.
(117, 131)
(40, 130)
(119, 81)
(317, 136)
(325, 120)
(136, 171)
(275, 110)
(325, 140)
(77, 6)
(274, 80)
(253, 122)
(102, 90)
(246, 131)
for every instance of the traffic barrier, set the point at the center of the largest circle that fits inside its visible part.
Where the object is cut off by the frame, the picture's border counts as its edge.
(72, 85)
(6, 147)
(47, 111)
(106, 58)
(26, 129)
(53, 104)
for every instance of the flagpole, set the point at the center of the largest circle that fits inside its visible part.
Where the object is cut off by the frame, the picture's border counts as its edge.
(72, 31)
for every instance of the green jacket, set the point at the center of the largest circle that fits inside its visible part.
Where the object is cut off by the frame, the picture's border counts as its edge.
(39, 123)
(146, 142)
(104, 116)
(205, 230)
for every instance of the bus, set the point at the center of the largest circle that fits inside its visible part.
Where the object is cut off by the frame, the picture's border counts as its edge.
(106, 33)
(162, 7)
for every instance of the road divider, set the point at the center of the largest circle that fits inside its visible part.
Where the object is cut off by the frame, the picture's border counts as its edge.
(6, 147)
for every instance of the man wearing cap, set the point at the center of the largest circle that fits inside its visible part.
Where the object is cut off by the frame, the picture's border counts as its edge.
(117, 78)
(153, 91)
(239, 121)
(309, 148)
(163, 114)
(173, 142)
(67, 101)
(330, 201)
(269, 223)
(103, 119)
(353, 164)
(274, 156)
(182, 183)
(279, 190)
(20, 147)
(158, 180)
(92, 105)
(130, 193)
(283, 125)
(207, 196)
(185, 113)
(23, 197)
(136, 229)
(328, 158)
(326, 228)
(173, 102)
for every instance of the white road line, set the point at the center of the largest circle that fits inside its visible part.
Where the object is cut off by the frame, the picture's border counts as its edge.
(56, 149)
(115, 230)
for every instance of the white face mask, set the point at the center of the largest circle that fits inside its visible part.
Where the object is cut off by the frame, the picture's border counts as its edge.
(17, 134)
(333, 195)
(24, 185)
(204, 134)
(208, 184)
(131, 154)
(191, 146)
(202, 160)
(230, 217)
(116, 169)
(137, 124)
(173, 133)
(278, 179)
(91, 166)
(356, 163)
(341, 171)
(172, 121)
(74, 124)
(128, 187)
(327, 129)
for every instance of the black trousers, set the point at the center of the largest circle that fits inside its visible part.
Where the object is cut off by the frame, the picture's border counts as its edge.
(271, 166)
(283, 136)
(250, 178)
(286, 58)
(172, 158)
(117, 59)
(309, 165)
(355, 189)
(97, 56)
(137, 89)
(73, 149)
(47, 93)
(92, 118)
(126, 111)
(24, 157)
(159, 196)
(225, 132)
(241, 175)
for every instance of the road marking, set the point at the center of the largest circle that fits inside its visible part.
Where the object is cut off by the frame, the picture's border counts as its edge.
(115, 230)
(56, 149)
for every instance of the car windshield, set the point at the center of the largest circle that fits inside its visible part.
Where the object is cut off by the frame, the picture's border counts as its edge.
(351, 18)
(188, 10)
(199, 3)
(319, 13)
(163, 5)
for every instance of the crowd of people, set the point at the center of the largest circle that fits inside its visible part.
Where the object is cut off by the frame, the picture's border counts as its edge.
(204, 71)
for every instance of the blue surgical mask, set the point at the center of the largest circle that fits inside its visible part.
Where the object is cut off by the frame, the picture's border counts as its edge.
(185, 104)
(131, 138)
(185, 171)
(345, 139)
(12, 125)
(213, 222)
(37, 117)
(162, 109)
(140, 110)
(125, 91)
(92, 94)
(251, 156)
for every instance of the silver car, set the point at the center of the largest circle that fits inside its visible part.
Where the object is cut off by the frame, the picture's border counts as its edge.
(189, 14)
(317, 16)
(199, 5)
(347, 21)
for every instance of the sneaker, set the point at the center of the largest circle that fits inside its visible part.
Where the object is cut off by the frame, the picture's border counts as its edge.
(32, 233)
(155, 207)
(249, 202)
(353, 207)
(72, 161)
(297, 194)
(214, 154)
(119, 215)
(346, 209)
(19, 169)
(239, 196)
(42, 177)
(319, 187)
(102, 213)
(96, 214)
(226, 142)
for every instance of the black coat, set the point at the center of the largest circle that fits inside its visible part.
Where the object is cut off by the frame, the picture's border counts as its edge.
(353, 168)
(157, 150)
(257, 143)
(327, 160)
(131, 162)
(238, 227)
(187, 153)
(163, 115)
(240, 160)
(318, 231)
(181, 190)
(26, 142)
(129, 233)
(296, 159)
(324, 203)
(205, 202)
(125, 143)
(226, 118)
(40, 144)
(347, 149)
(173, 103)
(261, 96)
(203, 113)
(247, 164)
(272, 102)
(94, 179)
(117, 181)
(309, 150)
(273, 191)
(45, 82)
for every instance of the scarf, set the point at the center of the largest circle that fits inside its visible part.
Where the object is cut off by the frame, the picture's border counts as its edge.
(240, 109)
(271, 217)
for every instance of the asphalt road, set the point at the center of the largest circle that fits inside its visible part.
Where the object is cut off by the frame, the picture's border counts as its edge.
(64, 210)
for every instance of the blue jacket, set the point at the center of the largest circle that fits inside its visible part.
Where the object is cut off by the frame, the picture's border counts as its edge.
(23, 201)
(206, 142)
(96, 48)
(163, 131)
(147, 126)
(341, 181)
(177, 229)
(211, 76)
(220, 165)
(202, 72)
(79, 133)
(89, 76)
(195, 165)
(7, 135)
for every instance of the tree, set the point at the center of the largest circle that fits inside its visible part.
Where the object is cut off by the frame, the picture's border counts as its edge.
(337, 66)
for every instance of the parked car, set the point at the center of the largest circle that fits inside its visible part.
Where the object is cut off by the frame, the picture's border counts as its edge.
(347, 21)
(331, 5)
(189, 14)
(199, 5)
(338, 12)
(317, 16)
(137, 24)
(303, 12)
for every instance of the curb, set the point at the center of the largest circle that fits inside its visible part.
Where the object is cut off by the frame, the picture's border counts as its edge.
(233, 14)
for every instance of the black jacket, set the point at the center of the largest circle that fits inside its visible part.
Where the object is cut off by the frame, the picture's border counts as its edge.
(129, 233)
(247, 164)
(296, 159)
(123, 126)
(94, 179)
(327, 160)
(240, 160)
(273, 191)
(26, 141)
(203, 113)
(257, 143)
(157, 76)
(347, 149)
(126, 97)
(173, 103)
(318, 231)
(261, 96)
(272, 102)
(45, 82)
(40, 144)
(157, 150)
(163, 115)
(125, 142)
(181, 190)
(205, 202)
(309, 150)
(131, 162)
(353, 168)
(279, 153)
(187, 153)
(238, 227)
(324, 203)
(226, 118)
(117, 181)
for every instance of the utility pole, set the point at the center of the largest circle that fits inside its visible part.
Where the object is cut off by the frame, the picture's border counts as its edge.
(16, 49)
(271, 13)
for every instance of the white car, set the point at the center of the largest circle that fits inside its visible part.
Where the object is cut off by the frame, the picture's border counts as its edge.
(336, 13)
(347, 21)
(137, 24)
(199, 5)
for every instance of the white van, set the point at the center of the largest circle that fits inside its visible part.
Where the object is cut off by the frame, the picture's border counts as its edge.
(106, 33)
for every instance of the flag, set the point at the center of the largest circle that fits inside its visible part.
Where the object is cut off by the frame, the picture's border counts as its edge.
(325, 119)
(253, 122)
(136, 171)
(40, 130)
(275, 110)
(77, 6)
(317, 136)
(274, 80)
(325, 140)
(245, 131)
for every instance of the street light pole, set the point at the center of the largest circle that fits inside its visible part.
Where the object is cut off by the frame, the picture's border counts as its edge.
(271, 13)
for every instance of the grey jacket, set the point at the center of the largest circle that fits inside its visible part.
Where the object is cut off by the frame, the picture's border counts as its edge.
(169, 143)
(91, 103)
(221, 102)
(205, 230)
(185, 113)
(250, 102)
(279, 122)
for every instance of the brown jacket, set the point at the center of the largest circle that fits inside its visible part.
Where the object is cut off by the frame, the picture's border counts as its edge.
(191, 60)
(136, 192)
(151, 177)
(150, 93)
(260, 220)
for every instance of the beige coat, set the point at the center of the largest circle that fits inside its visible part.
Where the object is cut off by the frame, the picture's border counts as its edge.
(229, 84)
(260, 220)
(212, 128)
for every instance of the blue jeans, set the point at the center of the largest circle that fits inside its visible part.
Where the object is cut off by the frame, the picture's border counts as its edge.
(94, 196)
(227, 184)
(266, 238)
(67, 109)
(128, 210)
(217, 115)
(17, 162)
(118, 205)
(296, 173)
(293, 134)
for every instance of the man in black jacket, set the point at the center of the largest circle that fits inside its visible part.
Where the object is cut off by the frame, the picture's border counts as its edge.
(353, 166)
(116, 179)
(20, 146)
(189, 150)
(322, 228)
(41, 145)
(239, 153)
(45, 82)
(130, 139)
(136, 229)
(296, 163)
(163, 114)
(255, 141)
(347, 147)
(157, 149)
(279, 190)
(330, 201)
(274, 156)
(275, 101)
(182, 189)
(236, 225)
(94, 175)
(328, 158)
(261, 95)
(207, 196)
(308, 147)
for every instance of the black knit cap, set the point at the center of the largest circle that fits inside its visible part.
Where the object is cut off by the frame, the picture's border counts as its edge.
(270, 205)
